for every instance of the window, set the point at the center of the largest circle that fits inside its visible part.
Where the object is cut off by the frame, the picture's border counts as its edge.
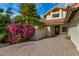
(64, 29)
(56, 15)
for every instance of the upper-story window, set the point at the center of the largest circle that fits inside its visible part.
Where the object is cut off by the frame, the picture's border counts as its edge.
(55, 15)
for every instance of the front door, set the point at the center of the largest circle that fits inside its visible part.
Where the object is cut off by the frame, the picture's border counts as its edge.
(57, 30)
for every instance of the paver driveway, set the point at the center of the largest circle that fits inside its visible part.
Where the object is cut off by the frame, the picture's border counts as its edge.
(58, 46)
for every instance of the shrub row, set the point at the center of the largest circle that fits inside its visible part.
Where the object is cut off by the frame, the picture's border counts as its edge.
(19, 32)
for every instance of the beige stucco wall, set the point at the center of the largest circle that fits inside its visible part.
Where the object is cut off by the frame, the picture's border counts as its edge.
(49, 31)
(46, 32)
(73, 30)
(39, 34)
(42, 33)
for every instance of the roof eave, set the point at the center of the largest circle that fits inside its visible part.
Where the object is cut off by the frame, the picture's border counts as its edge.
(70, 15)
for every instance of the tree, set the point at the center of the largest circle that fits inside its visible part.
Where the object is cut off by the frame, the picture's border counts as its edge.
(28, 14)
(1, 10)
(3, 22)
(9, 13)
(19, 18)
(28, 11)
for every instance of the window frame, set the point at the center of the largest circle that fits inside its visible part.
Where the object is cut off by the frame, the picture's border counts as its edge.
(64, 29)
(56, 15)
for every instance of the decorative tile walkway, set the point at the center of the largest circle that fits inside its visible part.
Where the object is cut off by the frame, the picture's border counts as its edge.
(55, 46)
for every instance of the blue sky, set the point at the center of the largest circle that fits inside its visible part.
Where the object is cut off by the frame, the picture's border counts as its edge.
(41, 7)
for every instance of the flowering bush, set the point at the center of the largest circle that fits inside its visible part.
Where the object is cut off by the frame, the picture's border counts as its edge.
(19, 32)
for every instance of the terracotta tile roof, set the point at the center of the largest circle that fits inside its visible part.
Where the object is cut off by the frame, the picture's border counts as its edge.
(72, 4)
(53, 21)
(53, 9)
(70, 14)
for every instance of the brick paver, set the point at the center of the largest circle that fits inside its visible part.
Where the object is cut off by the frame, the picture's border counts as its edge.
(55, 46)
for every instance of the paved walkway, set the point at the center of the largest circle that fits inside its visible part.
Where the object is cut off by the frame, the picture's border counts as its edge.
(55, 46)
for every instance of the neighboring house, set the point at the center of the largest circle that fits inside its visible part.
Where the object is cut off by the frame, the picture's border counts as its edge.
(72, 21)
(54, 19)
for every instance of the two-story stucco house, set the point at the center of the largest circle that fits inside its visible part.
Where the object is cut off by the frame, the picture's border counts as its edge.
(54, 19)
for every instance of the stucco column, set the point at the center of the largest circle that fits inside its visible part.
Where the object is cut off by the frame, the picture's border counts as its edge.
(61, 13)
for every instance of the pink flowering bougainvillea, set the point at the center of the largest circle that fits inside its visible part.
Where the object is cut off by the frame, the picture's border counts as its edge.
(19, 32)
